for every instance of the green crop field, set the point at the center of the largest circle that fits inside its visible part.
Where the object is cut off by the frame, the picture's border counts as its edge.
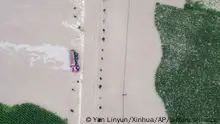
(28, 114)
(188, 77)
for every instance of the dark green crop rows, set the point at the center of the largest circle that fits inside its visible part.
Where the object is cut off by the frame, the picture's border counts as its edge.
(27, 114)
(197, 6)
(188, 77)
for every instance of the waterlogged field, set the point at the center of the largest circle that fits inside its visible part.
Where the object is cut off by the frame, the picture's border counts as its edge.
(35, 39)
(187, 78)
(46, 53)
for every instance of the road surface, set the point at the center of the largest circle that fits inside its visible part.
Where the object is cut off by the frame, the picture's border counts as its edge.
(127, 56)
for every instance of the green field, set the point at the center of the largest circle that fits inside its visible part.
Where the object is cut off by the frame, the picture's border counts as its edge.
(28, 114)
(188, 77)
